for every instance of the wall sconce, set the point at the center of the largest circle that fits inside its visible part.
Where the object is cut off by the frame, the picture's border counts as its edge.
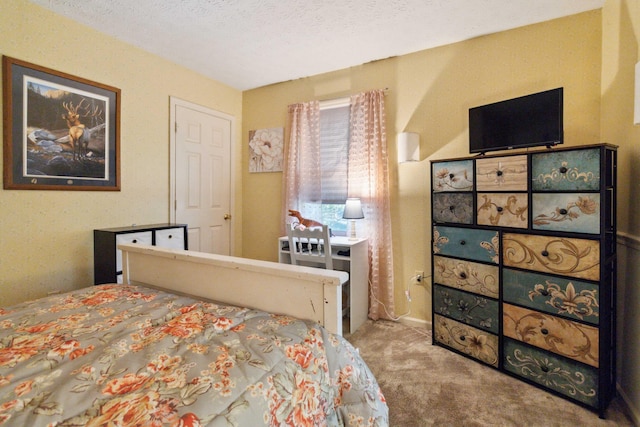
(636, 116)
(352, 211)
(408, 147)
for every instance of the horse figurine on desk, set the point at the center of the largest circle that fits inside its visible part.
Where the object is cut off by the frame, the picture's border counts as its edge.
(304, 221)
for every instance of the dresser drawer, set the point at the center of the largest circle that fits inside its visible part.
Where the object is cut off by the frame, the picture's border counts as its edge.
(507, 173)
(172, 238)
(473, 342)
(483, 279)
(142, 237)
(571, 170)
(554, 255)
(452, 176)
(472, 309)
(453, 207)
(570, 378)
(569, 298)
(564, 337)
(571, 212)
(478, 245)
(503, 210)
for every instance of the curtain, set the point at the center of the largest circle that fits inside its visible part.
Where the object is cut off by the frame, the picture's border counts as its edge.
(302, 173)
(368, 179)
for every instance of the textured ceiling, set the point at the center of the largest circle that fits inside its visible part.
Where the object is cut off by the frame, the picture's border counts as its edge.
(251, 43)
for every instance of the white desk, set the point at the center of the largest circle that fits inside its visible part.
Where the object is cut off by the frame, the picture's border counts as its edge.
(356, 263)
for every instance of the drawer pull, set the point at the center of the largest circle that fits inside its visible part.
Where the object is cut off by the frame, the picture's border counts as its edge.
(544, 331)
(462, 338)
(134, 241)
(544, 368)
(462, 242)
(451, 176)
(463, 275)
(544, 293)
(563, 169)
(170, 236)
(545, 253)
(563, 211)
(452, 208)
(499, 208)
(499, 173)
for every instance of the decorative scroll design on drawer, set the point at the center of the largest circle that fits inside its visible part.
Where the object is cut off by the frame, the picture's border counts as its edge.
(502, 173)
(480, 245)
(453, 176)
(572, 379)
(506, 210)
(555, 295)
(577, 213)
(469, 276)
(566, 170)
(564, 337)
(467, 339)
(572, 257)
(472, 309)
(453, 207)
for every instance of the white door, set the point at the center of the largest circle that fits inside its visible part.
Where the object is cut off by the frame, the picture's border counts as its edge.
(201, 178)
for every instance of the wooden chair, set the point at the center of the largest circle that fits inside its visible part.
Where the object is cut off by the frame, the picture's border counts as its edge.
(310, 245)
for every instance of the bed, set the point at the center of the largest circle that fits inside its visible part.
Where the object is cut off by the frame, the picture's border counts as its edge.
(184, 342)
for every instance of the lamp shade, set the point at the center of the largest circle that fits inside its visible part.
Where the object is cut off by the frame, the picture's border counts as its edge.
(353, 209)
(408, 147)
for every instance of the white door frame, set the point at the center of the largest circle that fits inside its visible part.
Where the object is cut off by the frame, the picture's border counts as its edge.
(174, 102)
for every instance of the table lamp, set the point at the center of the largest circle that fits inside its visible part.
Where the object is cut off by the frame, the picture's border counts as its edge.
(352, 211)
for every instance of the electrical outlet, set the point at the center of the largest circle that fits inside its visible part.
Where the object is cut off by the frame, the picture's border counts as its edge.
(418, 276)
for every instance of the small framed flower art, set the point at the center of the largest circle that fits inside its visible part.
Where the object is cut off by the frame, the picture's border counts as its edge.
(266, 148)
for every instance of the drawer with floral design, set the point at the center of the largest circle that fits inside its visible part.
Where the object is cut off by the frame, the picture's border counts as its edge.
(566, 170)
(483, 279)
(503, 210)
(455, 175)
(453, 207)
(566, 376)
(478, 245)
(472, 309)
(508, 173)
(570, 212)
(555, 255)
(570, 298)
(473, 342)
(564, 337)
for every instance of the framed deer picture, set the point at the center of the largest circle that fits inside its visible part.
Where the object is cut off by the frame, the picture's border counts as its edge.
(60, 132)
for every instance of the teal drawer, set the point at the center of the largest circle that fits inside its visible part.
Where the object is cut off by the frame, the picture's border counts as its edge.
(453, 207)
(570, 212)
(466, 339)
(472, 309)
(571, 170)
(565, 376)
(479, 245)
(456, 175)
(555, 295)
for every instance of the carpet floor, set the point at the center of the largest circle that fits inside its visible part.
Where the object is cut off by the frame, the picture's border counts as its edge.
(426, 385)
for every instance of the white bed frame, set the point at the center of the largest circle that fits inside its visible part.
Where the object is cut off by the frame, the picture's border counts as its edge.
(303, 292)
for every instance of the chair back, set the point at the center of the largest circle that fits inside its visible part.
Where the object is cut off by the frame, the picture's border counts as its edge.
(310, 245)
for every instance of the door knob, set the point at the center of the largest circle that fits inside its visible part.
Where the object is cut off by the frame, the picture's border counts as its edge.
(227, 216)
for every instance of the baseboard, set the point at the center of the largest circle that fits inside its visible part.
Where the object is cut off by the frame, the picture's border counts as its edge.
(628, 406)
(415, 322)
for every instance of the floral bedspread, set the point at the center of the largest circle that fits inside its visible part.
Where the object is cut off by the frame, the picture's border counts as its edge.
(125, 355)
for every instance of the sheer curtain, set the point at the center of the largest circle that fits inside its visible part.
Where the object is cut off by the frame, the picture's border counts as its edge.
(369, 180)
(302, 173)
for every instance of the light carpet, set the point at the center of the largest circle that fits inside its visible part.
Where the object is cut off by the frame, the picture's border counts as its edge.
(427, 385)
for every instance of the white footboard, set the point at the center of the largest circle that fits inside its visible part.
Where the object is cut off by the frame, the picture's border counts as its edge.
(303, 292)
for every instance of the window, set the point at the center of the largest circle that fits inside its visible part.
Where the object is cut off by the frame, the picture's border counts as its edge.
(334, 150)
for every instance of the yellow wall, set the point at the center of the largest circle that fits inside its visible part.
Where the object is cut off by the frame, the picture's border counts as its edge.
(46, 239)
(430, 92)
(620, 53)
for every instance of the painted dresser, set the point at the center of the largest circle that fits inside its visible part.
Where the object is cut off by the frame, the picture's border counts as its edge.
(524, 266)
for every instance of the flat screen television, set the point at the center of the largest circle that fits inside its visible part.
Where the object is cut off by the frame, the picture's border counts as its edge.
(528, 121)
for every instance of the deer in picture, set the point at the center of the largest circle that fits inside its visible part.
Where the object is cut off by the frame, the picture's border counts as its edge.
(79, 135)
